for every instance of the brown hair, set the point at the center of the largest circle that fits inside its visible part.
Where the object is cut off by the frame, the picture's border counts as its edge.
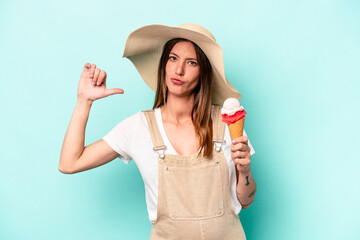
(201, 112)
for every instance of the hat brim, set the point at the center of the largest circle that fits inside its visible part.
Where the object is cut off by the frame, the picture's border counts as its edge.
(144, 47)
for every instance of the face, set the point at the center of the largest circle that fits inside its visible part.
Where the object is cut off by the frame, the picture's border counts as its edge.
(182, 70)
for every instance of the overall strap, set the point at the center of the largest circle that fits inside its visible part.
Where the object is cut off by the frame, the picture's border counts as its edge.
(218, 128)
(157, 141)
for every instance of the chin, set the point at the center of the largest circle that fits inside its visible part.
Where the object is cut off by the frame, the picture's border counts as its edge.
(179, 94)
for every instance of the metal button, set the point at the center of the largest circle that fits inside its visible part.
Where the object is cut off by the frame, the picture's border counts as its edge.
(162, 156)
(218, 149)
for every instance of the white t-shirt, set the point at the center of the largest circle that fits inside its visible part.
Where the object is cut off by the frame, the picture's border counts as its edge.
(131, 139)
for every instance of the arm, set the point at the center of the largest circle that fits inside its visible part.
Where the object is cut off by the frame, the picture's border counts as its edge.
(246, 186)
(74, 156)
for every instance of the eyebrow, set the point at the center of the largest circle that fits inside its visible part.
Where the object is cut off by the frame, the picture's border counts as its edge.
(186, 59)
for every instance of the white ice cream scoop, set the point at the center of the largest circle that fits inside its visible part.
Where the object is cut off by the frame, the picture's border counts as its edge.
(231, 106)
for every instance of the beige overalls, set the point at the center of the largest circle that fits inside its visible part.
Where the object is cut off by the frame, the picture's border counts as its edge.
(194, 193)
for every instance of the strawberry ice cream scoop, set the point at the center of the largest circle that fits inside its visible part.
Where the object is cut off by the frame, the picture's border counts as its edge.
(232, 111)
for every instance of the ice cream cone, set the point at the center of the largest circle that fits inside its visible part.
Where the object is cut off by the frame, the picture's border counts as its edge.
(236, 129)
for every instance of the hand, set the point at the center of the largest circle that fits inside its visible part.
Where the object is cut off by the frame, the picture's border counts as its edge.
(92, 84)
(240, 153)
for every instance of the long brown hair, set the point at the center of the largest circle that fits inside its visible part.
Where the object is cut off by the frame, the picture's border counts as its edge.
(201, 112)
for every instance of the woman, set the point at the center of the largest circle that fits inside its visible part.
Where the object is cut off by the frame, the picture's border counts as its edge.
(181, 147)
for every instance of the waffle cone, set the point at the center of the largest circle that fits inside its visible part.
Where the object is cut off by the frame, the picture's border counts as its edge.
(236, 129)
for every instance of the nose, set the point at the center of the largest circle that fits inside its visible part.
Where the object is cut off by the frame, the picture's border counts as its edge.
(180, 68)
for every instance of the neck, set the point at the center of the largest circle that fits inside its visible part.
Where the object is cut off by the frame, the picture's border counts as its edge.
(178, 109)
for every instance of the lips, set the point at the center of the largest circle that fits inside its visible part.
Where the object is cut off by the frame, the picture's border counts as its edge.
(177, 81)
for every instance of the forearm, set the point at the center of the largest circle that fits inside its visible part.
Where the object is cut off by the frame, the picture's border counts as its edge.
(73, 144)
(245, 188)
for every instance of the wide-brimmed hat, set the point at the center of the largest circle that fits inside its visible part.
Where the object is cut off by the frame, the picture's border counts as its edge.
(144, 47)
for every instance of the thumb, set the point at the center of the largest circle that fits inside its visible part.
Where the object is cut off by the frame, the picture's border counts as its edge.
(113, 91)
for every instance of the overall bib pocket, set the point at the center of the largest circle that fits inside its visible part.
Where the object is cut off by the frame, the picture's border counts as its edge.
(194, 192)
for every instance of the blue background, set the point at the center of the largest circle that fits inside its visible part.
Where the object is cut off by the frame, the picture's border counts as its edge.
(296, 64)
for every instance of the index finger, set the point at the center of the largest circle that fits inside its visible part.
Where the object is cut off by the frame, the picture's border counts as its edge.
(242, 139)
(86, 67)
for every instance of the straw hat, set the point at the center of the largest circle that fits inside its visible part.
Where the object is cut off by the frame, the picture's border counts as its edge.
(144, 48)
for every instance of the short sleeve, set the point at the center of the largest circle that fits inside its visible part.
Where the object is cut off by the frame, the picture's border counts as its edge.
(121, 137)
(252, 150)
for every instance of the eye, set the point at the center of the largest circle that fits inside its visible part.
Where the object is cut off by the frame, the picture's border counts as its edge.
(172, 58)
(193, 63)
